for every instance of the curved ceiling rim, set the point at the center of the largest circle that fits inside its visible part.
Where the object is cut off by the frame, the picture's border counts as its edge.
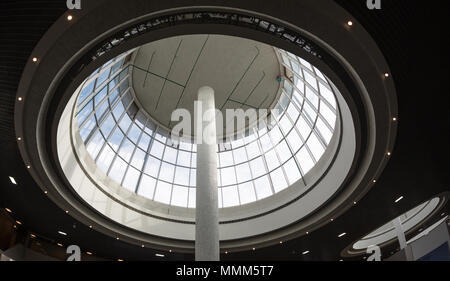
(444, 197)
(28, 74)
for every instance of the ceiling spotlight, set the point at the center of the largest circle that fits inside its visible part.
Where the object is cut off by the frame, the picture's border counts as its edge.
(19, 138)
(253, 249)
(8, 210)
(89, 253)
(13, 180)
(32, 235)
(28, 167)
(19, 98)
(305, 252)
(394, 119)
(90, 226)
(281, 242)
(331, 219)
(45, 192)
(119, 259)
(67, 212)
(307, 232)
(386, 75)
(226, 252)
(160, 255)
(388, 154)
(349, 23)
(342, 234)
(170, 251)
(18, 222)
(69, 17)
(117, 238)
(142, 246)
(374, 181)
(59, 244)
(398, 199)
(62, 233)
(35, 59)
(354, 202)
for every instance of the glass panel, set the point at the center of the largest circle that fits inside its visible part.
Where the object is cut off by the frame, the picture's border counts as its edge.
(294, 141)
(228, 176)
(329, 116)
(105, 158)
(253, 150)
(131, 179)
(87, 90)
(84, 113)
(243, 173)
(278, 180)
(116, 139)
(152, 166)
(226, 158)
(107, 126)
(163, 191)
(292, 171)
(257, 166)
(157, 149)
(138, 159)
(191, 203)
(315, 146)
(166, 172)
(324, 131)
(283, 151)
(310, 80)
(134, 133)
(147, 186)
(239, 155)
(192, 180)
(125, 123)
(194, 160)
(144, 141)
(87, 128)
(327, 94)
(262, 186)
(170, 155)
(179, 196)
(184, 158)
(247, 193)
(230, 196)
(182, 176)
(100, 96)
(272, 160)
(117, 170)
(95, 144)
(126, 150)
(305, 160)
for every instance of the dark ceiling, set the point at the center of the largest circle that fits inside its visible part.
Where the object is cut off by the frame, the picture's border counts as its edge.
(410, 35)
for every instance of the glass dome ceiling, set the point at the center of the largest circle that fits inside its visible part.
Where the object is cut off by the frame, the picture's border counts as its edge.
(133, 150)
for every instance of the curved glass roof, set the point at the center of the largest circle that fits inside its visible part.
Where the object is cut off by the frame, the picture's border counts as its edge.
(134, 151)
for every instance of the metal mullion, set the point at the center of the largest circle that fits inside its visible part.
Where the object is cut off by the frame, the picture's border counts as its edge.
(112, 107)
(235, 175)
(147, 154)
(293, 154)
(276, 152)
(189, 178)
(220, 175)
(134, 150)
(173, 177)
(265, 163)
(160, 165)
(124, 137)
(250, 168)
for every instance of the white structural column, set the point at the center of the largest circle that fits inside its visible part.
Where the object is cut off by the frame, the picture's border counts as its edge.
(206, 212)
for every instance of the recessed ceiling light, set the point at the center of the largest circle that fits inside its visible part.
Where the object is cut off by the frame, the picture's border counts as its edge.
(19, 98)
(389, 154)
(253, 249)
(142, 246)
(386, 75)
(305, 252)
(46, 192)
(307, 232)
(349, 23)
(19, 138)
(69, 17)
(398, 199)
(331, 219)
(341, 260)
(342, 234)
(374, 181)
(90, 226)
(13, 180)
(67, 212)
(354, 202)
(28, 166)
(89, 253)
(35, 59)
(117, 238)
(394, 119)
(62, 233)
(59, 244)
(281, 242)
(226, 252)
(170, 251)
(160, 255)
(119, 259)
(8, 210)
(18, 222)
(32, 235)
